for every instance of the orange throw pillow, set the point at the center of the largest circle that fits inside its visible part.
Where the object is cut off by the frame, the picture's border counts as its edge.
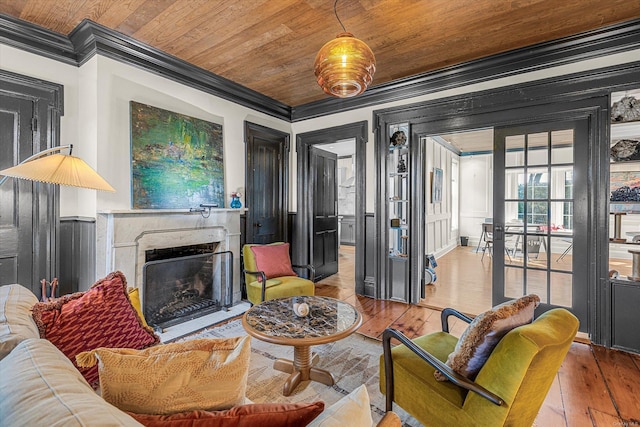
(274, 260)
(100, 317)
(256, 414)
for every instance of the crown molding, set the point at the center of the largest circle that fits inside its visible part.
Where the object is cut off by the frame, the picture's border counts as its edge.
(35, 39)
(90, 38)
(579, 47)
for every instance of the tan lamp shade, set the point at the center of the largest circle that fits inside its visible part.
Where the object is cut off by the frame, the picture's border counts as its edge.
(59, 169)
(344, 66)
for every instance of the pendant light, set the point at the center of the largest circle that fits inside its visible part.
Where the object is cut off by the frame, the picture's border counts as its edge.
(345, 65)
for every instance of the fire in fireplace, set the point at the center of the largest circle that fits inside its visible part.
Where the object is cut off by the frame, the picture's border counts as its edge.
(184, 283)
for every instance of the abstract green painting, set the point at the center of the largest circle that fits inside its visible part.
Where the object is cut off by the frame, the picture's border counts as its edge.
(176, 160)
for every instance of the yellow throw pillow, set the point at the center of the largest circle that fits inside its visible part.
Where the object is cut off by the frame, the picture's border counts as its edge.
(206, 374)
(134, 296)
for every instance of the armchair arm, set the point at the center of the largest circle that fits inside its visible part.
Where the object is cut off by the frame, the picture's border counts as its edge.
(454, 377)
(309, 267)
(264, 280)
(447, 312)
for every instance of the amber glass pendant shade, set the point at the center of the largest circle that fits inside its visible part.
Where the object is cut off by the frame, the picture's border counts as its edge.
(344, 66)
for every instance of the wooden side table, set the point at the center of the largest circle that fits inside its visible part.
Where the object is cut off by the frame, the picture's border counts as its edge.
(329, 320)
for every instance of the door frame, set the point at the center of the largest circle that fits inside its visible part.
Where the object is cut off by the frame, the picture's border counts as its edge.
(303, 223)
(48, 101)
(251, 131)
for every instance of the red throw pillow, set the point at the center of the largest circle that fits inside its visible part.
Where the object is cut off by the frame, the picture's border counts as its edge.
(256, 414)
(274, 260)
(100, 317)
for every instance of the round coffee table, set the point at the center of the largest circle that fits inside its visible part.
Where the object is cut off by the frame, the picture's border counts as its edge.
(329, 320)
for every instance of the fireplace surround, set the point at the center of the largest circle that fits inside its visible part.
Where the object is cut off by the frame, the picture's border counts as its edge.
(125, 237)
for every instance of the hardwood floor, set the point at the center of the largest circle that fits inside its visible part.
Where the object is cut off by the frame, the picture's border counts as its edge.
(595, 386)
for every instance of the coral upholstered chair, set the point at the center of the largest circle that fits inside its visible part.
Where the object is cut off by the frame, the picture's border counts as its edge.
(269, 273)
(508, 390)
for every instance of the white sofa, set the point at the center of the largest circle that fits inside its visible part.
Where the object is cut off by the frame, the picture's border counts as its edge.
(40, 386)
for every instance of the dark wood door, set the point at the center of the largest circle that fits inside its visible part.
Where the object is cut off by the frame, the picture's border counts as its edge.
(16, 198)
(266, 184)
(324, 170)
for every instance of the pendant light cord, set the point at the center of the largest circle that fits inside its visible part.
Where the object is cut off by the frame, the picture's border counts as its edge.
(335, 10)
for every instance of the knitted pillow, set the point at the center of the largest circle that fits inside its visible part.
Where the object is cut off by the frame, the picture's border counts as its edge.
(100, 317)
(251, 415)
(274, 260)
(485, 331)
(202, 374)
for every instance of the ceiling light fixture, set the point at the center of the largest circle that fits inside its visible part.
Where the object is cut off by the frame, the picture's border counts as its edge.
(345, 65)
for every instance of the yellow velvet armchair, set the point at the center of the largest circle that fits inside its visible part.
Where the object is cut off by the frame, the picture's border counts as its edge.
(508, 390)
(269, 273)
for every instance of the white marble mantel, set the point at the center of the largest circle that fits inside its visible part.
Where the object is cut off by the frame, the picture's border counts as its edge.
(123, 236)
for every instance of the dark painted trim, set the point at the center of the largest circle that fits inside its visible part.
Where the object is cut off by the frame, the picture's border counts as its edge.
(35, 39)
(359, 131)
(591, 44)
(89, 38)
(50, 93)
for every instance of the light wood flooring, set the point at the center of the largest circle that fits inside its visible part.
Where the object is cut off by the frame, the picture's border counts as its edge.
(595, 386)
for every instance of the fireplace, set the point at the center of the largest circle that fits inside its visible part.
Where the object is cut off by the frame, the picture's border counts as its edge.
(184, 283)
(127, 240)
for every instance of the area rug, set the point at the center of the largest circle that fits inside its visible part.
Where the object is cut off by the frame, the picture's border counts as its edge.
(352, 361)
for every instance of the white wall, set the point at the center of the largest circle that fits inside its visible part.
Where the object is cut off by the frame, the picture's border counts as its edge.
(96, 119)
(476, 194)
(439, 235)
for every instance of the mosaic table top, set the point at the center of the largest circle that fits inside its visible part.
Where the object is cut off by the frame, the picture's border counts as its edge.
(328, 319)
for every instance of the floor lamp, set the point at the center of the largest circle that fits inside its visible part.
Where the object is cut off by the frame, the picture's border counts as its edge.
(57, 169)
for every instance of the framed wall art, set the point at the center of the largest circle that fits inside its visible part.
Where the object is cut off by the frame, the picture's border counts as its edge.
(176, 160)
(436, 185)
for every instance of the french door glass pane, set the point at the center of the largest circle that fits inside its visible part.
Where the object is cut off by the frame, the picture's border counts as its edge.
(514, 184)
(562, 146)
(538, 149)
(561, 289)
(537, 284)
(513, 282)
(514, 155)
(537, 183)
(561, 253)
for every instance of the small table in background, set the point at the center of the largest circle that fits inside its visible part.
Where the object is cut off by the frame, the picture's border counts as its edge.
(329, 320)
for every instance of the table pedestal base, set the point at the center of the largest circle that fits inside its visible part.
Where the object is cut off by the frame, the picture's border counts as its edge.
(301, 369)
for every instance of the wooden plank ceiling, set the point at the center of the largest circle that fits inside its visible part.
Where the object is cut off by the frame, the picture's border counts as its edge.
(270, 45)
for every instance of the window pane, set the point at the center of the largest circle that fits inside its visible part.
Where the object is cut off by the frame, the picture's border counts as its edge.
(513, 282)
(561, 182)
(562, 253)
(538, 149)
(537, 183)
(537, 284)
(562, 146)
(515, 150)
(514, 184)
(561, 289)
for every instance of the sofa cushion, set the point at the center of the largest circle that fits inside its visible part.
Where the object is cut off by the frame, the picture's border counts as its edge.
(252, 415)
(16, 323)
(39, 386)
(485, 331)
(206, 374)
(100, 317)
(352, 410)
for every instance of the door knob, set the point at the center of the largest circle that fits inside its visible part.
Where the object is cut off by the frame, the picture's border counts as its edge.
(257, 224)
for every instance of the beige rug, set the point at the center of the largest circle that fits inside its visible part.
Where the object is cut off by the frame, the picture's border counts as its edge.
(352, 361)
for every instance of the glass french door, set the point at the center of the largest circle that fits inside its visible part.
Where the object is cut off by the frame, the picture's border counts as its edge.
(541, 215)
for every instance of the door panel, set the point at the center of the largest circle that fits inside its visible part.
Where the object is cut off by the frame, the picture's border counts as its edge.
(267, 157)
(540, 211)
(16, 208)
(324, 170)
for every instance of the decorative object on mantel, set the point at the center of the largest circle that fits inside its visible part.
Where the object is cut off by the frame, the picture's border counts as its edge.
(626, 109)
(344, 66)
(402, 166)
(176, 160)
(625, 150)
(57, 169)
(235, 200)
